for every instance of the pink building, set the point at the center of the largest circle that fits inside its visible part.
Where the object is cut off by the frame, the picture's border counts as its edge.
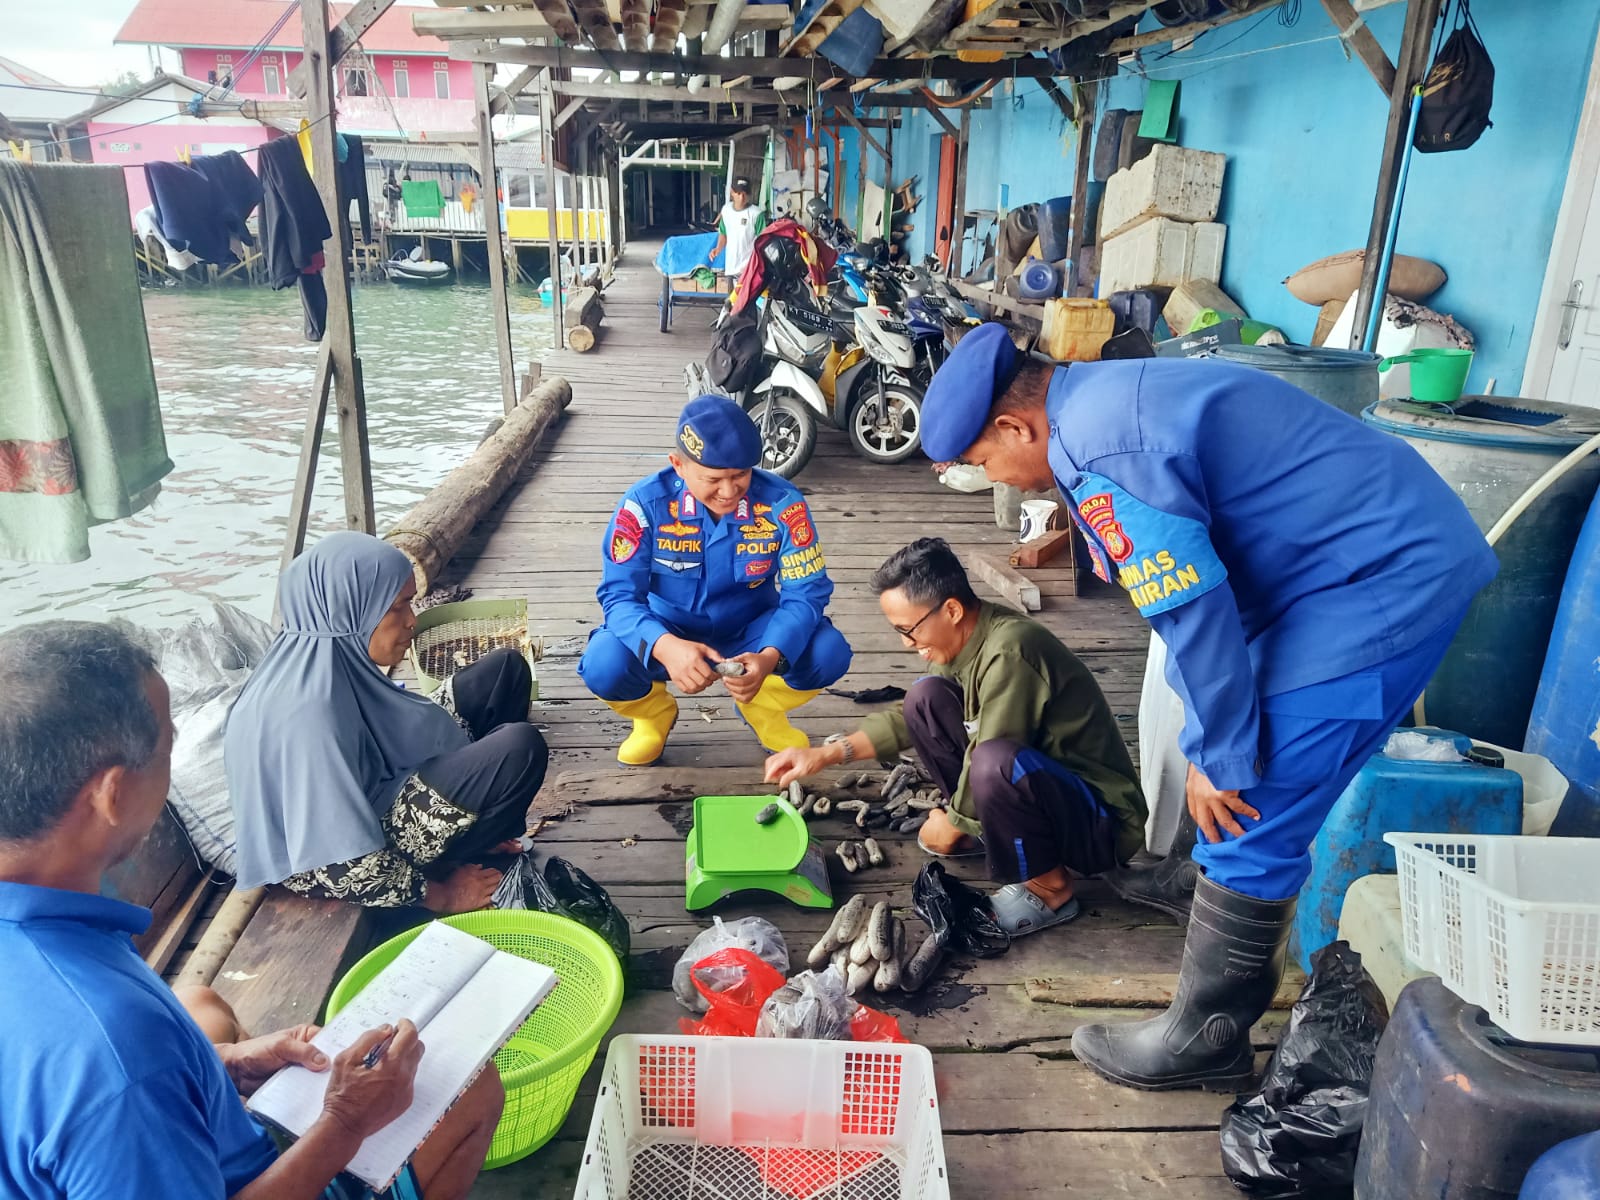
(397, 83)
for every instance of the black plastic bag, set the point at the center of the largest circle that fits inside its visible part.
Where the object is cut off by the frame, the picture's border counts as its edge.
(566, 891)
(960, 917)
(1298, 1135)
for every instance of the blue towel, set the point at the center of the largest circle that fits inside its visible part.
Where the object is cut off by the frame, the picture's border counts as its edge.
(680, 255)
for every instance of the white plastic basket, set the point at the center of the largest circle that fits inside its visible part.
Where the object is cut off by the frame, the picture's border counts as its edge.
(1511, 924)
(704, 1118)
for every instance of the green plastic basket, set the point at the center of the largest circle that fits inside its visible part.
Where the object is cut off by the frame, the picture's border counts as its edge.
(544, 1061)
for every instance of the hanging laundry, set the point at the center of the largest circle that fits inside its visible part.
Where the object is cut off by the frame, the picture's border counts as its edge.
(144, 225)
(293, 227)
(422, 198)
(81, 440)
(237, 188)
(353, 183)
(190, 211)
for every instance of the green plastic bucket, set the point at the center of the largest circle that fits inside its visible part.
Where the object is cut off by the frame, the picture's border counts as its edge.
(545, 1059)
(1438, 375)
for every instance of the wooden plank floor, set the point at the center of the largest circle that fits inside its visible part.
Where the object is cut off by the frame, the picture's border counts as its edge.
(1020, 1117)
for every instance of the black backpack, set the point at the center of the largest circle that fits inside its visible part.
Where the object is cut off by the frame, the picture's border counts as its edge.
(734, 363)
(1457, 92)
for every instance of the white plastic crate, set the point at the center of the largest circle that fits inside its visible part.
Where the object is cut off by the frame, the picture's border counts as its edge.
(1170, 181)
(1511, 924)
(700, 1118)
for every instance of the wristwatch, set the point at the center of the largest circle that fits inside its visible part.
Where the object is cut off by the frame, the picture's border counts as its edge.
(842, 740)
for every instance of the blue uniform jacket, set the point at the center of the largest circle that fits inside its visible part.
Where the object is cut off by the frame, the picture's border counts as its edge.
(671, 568)
(1272, 541)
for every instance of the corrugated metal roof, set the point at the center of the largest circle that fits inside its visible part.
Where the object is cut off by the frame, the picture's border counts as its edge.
(240, 24)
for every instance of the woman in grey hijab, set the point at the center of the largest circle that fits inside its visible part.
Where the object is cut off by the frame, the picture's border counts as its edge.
(345, 786)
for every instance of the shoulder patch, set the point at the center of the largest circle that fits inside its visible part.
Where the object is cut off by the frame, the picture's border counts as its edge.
(798, 521)
(627, 531)
(1161, 560)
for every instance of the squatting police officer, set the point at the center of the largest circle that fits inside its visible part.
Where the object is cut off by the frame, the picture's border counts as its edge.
(710, 560)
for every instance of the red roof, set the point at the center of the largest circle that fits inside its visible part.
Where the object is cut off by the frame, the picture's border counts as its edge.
(240, 24)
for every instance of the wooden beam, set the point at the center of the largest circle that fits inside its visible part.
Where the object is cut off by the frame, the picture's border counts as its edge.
(1080, 185)
(850, 119)
(596, 21)
(958, 215)
(943, 121)
(1165, 35)
(1010, 584)
(494, 247)
(668, 24)
(305, 476)
(567, 113)
(340, 333)
(501, 100)
(812, 69)
(1059, 99)
(1421, 17)
(1354, 33)
(636, 25)
(356, 22)
(508, 22)
(666, 94)
(559, 16)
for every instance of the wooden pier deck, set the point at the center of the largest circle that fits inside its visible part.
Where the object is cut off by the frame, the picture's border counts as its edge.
(1020, 1116)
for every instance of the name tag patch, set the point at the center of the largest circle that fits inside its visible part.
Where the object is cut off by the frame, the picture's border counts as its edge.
(1160, 559)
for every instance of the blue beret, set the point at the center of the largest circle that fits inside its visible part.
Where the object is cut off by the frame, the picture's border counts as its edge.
(954, 411)
(716, 433)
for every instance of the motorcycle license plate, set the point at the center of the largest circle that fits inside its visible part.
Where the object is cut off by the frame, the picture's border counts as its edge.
(895, 327)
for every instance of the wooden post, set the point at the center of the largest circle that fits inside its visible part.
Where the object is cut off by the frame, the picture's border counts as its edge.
(305, 476)
(1080, 187)
(609, 243)
(489, 199)
(547, 137)
(1412, 64)
(888, 186)
(340, 332)
(583, 317)
(455, 255)
(958, 201)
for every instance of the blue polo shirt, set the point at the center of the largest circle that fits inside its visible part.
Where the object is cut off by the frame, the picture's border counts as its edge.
(107, 1088)
(1276, 544)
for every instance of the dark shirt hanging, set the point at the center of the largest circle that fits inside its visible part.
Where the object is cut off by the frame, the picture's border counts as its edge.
(293, 225)
(353, 182)
(237, 188)
(189, 210)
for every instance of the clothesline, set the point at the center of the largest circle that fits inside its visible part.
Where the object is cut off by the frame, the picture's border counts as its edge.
(143, 124)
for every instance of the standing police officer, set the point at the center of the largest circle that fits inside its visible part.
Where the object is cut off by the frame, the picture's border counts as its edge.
(710, 560)
(1307, 574)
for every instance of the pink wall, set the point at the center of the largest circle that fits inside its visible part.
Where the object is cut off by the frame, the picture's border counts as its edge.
(160, 143)
(252, 82)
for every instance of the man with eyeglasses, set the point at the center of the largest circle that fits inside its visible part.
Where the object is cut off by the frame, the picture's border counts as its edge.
(1307, 574)
(1013, 729)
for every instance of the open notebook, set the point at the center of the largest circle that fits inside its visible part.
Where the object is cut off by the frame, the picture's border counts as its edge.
(466, 999)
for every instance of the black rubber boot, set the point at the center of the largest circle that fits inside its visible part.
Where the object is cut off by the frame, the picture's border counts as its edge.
(1167, 884)
(1232, 964)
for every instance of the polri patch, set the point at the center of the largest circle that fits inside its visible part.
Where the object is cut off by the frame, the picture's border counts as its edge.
(799, 524)
(1161, 560)
(627, 531)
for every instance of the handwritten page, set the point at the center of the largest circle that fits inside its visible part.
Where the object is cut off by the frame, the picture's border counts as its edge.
(466, 999)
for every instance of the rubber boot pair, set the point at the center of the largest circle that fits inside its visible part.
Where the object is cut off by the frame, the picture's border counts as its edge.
(1232, 963)
(1167, 884)
(654, 714)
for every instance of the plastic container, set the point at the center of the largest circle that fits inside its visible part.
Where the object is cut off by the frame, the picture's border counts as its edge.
(1154, 254)
(1346, 379)
(1437, 373)
(1490, 450)
(690, 1118)
(1170, 181)
(1076, 329)
(452, 636)
(1570, 1171)
(1055, 224)
(1510, 923)
(1372, 923)
(1138, 309)
(545, 1059)
(1039, 280)
(1205, 251)
(1459, 1112)
(1566, 707)
(1390, 794)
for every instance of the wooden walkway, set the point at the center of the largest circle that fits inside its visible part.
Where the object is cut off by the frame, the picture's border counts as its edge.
(1020, 1117)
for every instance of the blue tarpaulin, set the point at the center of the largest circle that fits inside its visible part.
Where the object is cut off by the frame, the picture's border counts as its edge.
(680, 255)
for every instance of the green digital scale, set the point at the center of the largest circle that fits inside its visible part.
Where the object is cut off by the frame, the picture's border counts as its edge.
(728, 852)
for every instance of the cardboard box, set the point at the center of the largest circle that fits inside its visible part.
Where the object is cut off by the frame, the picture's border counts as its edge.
(1171, 181)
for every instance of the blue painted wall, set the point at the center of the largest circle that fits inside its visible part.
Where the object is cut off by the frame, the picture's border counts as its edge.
(1302, 127)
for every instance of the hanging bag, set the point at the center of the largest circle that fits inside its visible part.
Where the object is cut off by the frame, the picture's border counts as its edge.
(1458, 90)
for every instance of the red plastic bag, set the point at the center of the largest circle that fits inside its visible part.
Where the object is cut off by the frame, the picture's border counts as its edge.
(870, 1025)
(735, 984)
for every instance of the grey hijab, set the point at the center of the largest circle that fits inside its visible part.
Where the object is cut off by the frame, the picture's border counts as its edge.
(320, 741)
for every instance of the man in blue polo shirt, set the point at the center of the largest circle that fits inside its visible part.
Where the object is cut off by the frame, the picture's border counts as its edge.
(1306, 573)
(108, 1088)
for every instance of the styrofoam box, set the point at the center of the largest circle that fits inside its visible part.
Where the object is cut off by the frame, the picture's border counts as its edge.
(1170, 181)
(1154, 254)
(1205, 252)
(712, 1118)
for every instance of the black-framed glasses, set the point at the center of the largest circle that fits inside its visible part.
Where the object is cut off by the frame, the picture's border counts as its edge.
(910, 634)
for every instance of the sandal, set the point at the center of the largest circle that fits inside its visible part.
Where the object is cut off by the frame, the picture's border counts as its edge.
(974, 848)
(1018, 911)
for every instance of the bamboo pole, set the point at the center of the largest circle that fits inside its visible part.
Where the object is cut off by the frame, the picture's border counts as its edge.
(220, 936)
(1086, 98)
(547, 136)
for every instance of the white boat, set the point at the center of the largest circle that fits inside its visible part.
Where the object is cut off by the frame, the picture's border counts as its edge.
(403, 268)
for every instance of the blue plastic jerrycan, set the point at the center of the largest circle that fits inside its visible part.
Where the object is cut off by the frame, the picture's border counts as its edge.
(1392, 795)
(1569, 1171)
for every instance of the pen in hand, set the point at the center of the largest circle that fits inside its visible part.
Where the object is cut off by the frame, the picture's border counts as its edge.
(375, 1055)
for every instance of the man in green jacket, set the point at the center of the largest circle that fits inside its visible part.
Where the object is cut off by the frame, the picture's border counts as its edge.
(1013, 729)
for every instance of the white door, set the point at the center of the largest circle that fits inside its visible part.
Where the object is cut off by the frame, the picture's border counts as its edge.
(1564, 351)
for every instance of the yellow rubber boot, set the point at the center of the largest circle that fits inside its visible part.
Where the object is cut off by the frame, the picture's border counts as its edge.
(768, 715)
(653, 715)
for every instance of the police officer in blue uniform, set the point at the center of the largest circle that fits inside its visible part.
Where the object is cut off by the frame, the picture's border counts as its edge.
(1307, 574)
(710, 560)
